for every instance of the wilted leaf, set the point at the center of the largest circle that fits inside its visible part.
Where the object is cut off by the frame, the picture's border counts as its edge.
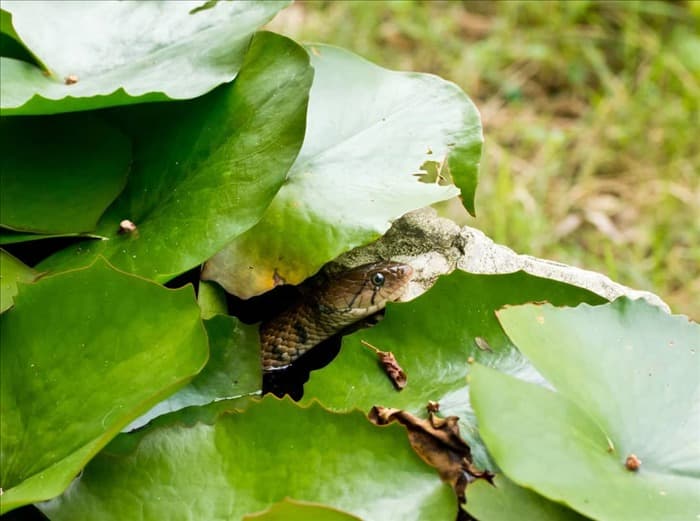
(369, 130)
(204, 170)
(100, 54)
(245, 462)
(438, 442)
(81, 355)
(627, 381)
(391, 366)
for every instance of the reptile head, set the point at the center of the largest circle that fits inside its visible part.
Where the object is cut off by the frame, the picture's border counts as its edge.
(366, 289)
(330, 308)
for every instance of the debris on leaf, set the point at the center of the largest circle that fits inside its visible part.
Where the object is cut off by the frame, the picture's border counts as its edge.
(437, 441)
(611, 446)
(433, 406)
(482, 344)
(71, 79)
(470, 360)
(391, 367)
(633, 462)
(277, 279)
(127, 226)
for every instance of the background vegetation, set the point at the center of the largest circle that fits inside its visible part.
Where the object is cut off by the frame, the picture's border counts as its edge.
(591, 112)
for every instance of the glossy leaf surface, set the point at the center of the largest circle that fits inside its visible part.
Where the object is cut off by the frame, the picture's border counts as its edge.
(626, 376)
(244, 462)
(81, 355)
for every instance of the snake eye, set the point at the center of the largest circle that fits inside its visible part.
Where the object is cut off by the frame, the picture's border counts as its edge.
(377, 279)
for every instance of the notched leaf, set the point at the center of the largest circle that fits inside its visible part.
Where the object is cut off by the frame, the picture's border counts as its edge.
(434, 172)
(437, 441)
(390, 365)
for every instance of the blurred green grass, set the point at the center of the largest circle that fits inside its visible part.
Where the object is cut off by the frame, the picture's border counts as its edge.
(591, 114)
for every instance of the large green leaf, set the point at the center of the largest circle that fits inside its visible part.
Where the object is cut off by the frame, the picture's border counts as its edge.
(205, 170)
(370, 132)
(232, 371)
(505, 501)
(81, 355)
(59, 173)
(12, 271)
(124, 52)
(627, 381)
(432, 338)
(245, 462)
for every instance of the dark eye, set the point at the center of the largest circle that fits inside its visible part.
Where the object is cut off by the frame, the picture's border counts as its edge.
(378, 279)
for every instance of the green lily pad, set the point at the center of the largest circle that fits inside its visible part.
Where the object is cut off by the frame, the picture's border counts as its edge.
(204, 170)
(289, 510)
(245, 462)
(12, 271)
(506, 501)
(232, 371)
(101, 54)
(433, 337)
(371, 132)
(81, 355)
(628, 387)
(60, 173)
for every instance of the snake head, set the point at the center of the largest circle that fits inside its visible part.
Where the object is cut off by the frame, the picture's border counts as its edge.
(364, 290)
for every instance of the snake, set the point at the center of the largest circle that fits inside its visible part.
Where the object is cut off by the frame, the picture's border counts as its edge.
(330, 308)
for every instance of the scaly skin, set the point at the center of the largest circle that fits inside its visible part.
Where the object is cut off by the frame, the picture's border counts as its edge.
(347, 298)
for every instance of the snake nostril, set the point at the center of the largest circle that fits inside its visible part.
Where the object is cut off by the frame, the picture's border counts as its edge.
(406, 271)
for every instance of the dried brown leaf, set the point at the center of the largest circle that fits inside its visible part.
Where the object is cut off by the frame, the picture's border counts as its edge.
(390, 365)
(437, 441)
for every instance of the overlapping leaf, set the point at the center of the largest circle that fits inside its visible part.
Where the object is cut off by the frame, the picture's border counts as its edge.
(60, 173)
(232, 371)
(433, 337)
(81, 355)
(243, 463)
(204, 170)
(627, 381)
(12, 271)
(370, 134)
(99, 54)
